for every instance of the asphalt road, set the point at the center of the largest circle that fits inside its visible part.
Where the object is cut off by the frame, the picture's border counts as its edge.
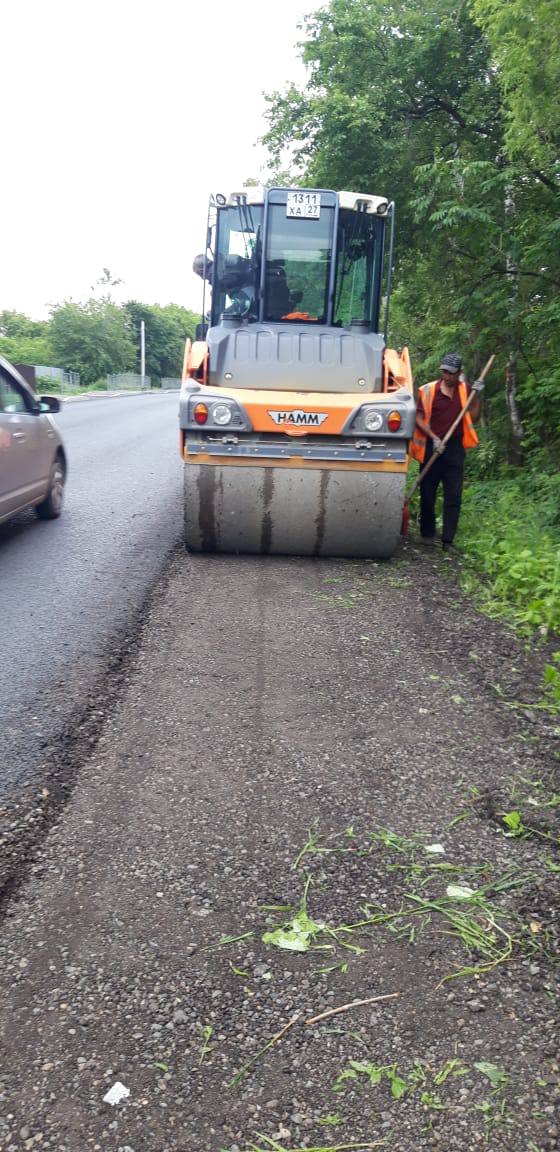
(279, 898)
(71, 588)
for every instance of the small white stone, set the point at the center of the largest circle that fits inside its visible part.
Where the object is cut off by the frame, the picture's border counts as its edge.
(117, 1093)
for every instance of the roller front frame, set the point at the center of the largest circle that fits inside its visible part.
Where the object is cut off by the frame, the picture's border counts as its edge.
(265, 486)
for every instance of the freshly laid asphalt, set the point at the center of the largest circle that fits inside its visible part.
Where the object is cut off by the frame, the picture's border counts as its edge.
(294, 736)
(72, 589)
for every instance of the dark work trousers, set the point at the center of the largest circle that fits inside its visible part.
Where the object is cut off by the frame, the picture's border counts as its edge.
(448, 470)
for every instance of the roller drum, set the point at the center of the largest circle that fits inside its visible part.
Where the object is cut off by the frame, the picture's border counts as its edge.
(292, 511)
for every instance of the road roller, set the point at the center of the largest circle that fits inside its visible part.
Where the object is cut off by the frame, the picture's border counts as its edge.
(295, 418)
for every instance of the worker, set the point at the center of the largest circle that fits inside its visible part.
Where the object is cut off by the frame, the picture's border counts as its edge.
(439, 404)
(203, 266)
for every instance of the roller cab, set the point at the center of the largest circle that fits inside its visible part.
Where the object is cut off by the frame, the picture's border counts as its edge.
(294, 416)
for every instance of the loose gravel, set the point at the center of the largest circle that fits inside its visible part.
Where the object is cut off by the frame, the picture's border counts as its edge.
(291, 737)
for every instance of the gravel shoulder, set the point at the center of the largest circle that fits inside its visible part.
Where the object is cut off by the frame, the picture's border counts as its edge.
(324, 747)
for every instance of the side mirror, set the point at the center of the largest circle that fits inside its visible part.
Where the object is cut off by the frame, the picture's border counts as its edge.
(49, 404)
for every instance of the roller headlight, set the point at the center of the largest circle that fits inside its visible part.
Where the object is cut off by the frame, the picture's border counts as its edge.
(373, 421)
(221, 414)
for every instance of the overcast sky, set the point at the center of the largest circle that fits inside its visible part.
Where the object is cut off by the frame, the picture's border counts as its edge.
(118, 120)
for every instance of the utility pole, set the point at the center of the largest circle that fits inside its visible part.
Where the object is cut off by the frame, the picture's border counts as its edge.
(142, 351)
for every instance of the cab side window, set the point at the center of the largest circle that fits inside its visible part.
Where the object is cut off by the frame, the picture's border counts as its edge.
(12, 399)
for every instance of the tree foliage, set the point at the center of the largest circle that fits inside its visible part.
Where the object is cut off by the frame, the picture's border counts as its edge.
(451, 109)
(524, 40)
(99, 337)
(25, 341)
(166, 330)
(93, 339)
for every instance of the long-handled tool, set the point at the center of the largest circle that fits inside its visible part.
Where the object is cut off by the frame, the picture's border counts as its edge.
(435, 455)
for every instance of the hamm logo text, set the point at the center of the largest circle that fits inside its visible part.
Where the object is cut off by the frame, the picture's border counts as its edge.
(299, 418)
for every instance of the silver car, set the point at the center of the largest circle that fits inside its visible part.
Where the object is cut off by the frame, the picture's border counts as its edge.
(32, 456)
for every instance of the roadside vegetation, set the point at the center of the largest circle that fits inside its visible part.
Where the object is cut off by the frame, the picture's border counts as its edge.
(98, 337)
(511, 532)
(451, 109)
(48, 387)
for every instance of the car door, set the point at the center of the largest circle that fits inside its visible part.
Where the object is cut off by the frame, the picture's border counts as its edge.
(6, 453)
(26, 449)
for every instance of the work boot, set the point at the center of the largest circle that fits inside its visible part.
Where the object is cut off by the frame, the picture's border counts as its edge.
(450, 549)
(428, 541)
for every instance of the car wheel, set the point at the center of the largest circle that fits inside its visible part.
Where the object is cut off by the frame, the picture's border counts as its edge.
(51, 506)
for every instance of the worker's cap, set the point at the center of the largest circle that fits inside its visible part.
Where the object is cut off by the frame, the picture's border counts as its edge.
(451, 363)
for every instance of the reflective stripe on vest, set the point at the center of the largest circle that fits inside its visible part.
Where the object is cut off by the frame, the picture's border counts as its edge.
(426, 393)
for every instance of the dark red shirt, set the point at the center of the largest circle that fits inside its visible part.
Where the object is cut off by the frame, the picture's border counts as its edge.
(445, 410)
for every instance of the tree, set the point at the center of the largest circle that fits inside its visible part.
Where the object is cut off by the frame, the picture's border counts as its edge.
(107, 281)
(16, 324)
(525, 44)
(25, 341)
(419, 100)
(390, 85)
(93, 339)
(167, 328)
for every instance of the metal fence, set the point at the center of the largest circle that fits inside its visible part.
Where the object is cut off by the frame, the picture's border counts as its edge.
(62, 378)
(128, 382)
(171, 382)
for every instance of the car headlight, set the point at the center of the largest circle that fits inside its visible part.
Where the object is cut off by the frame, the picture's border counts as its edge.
(373, 420)
(221, 414)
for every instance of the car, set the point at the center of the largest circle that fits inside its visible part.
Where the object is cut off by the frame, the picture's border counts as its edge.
(33, 463)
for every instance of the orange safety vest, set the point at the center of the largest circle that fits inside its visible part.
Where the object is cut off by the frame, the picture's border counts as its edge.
(298, 316)
(426, 393)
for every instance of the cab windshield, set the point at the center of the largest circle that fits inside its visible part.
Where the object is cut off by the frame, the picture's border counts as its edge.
(298, 259)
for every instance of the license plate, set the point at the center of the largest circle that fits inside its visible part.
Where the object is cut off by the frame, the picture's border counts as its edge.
(306, 205)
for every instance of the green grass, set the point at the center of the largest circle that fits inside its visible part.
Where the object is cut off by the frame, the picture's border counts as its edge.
(273, 1145)
(47, 387)
(510, 533)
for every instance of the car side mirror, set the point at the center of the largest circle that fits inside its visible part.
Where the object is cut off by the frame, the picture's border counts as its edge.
(49, 404)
